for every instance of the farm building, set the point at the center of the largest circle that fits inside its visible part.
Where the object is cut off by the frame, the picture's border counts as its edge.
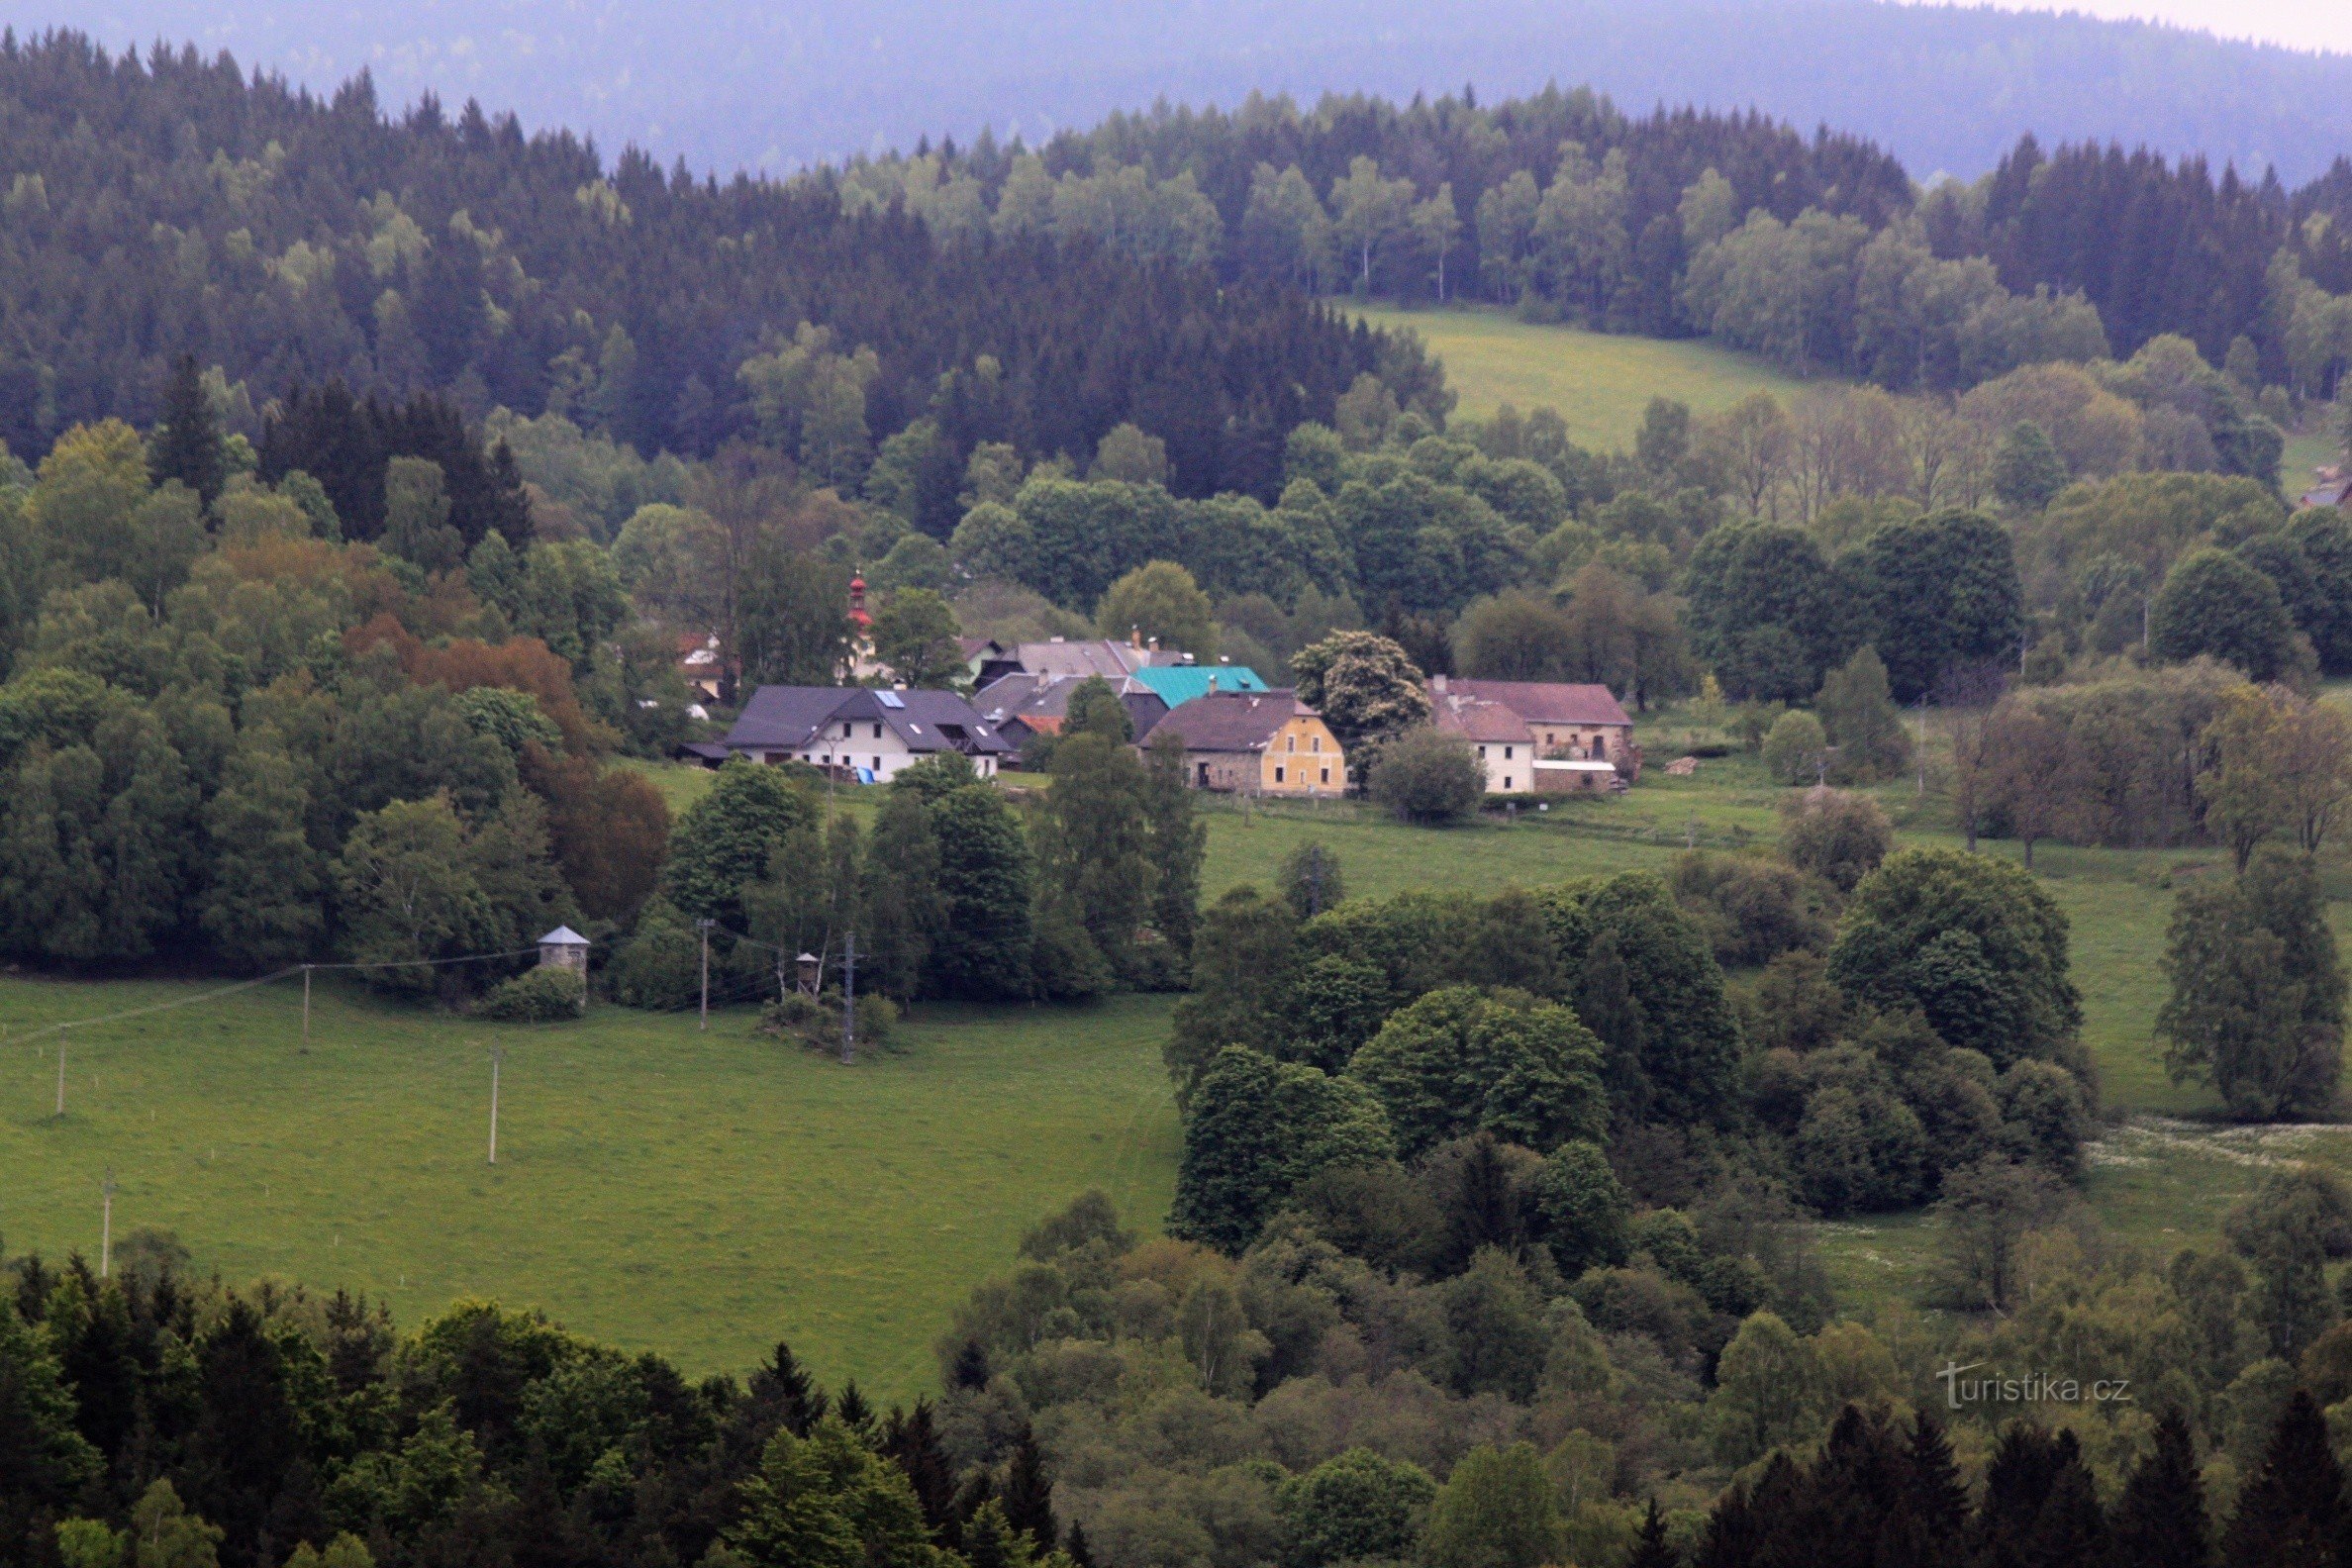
(1566, 721)
(1256, 744)
(867, 733)
(1022, 706)
(1505, 745)
(1178, 684)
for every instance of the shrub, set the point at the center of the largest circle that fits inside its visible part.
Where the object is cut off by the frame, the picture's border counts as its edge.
(814, 1022)
(1837, 836)
(1753, 910)
(1796, 749)
(1423, 776)
(544, 995)
(660, 966)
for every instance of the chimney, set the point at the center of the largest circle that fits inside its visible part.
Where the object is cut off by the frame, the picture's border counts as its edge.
(1212, 683)
(1154, 642)
(1135, 637)
(1438, 684)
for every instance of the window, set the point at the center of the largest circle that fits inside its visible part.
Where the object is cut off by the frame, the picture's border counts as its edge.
(1290, 742)
(878, 731)
(1326, 775)
(1506, 783)
(1482, 752)
(877, 764)
(1277, 772)
(1314, 742)
(1506, 750)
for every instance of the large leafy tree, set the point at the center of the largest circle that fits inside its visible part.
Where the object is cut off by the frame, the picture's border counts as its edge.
(1941, 592)
(1365, 686)
(2257, 1001)
(2213, 604)
(1973, 943)
(723, 841)
(1460, 1061)
(1257, 1127)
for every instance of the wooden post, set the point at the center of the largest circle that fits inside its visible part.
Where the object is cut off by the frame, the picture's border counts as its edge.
(497, 1055)
(105, 1229)
(704, 926)
(61, 1072)
(849, 997)
(306, 979)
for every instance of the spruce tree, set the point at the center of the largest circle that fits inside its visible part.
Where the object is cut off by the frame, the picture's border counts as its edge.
(1176, 841)
(1650, 1549)
(854, 1411)
(2159, 1519)
(912, 1442)
(2292, 1512)
(1077, 1549)
(787, 1394)
(188, 447)
(1735, 1535)
(1028, 1491)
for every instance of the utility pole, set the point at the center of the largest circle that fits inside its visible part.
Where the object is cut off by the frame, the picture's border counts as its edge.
(704, 926)
(849, 997)
(106, 1228)
(306, 978)
(61, 1070)
(1920, 753)
(497, 1055)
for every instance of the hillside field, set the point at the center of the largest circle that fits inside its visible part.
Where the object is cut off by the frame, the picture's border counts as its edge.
(1599, 382)
(704, 1194)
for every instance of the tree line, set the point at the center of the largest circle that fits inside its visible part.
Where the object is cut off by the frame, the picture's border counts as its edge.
(167, 204)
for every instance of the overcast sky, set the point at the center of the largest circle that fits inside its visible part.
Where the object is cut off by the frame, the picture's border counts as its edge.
(2299, 24)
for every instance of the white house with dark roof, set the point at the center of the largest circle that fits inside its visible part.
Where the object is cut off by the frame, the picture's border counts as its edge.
(868, 733)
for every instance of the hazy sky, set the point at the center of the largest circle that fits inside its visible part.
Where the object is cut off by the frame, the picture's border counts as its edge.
(2299, 24)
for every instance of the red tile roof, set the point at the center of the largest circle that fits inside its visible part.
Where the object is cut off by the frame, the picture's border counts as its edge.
(1544, 702)
(1476, 719)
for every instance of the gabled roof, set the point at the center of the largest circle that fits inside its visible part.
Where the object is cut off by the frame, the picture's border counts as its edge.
(1103, 656)
(1232, 721)
(1542, 701)
(1178, 684)
(789, 718)
(1477, 719)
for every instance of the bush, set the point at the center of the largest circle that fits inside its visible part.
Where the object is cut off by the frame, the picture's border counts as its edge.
(1427, 778)
(544, 995)
(1837, 836)
(1796, 749)
(660, 966)
(1753, 910)
(814, 1022)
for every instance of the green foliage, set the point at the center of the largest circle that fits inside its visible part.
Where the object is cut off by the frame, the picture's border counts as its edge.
(2257, 991)
(794, 617)
(1862, 721)
(723, 841)
(1255, 1129)
(1495, 1510)
(2214, 605)
(1354, 1506)
(1942, 594)
(1311, 879)
(1364, 685)
(1240, 974)
(2027, 472)
(1584, 1208)
(1839, 838)
(1797, 751)
(1973, 943)
(1459, 1061)
(547, 994)
(916, 636)
(826, 1501)
(513, 718)
(1428, 776)
(660, 966)
(982, 945)
(1159, 600)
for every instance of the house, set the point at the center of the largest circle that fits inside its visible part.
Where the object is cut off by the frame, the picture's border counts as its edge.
(1178, 684)
(1104, 657)
(1505, 745)
(1256, 744)
(867, 734)
(2334, 489)
(1566, 721)
(1022, 706)
(700, 663)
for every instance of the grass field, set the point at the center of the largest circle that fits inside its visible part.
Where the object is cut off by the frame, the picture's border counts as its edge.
(704, 1194)
(1599, 382)
(658, 1188)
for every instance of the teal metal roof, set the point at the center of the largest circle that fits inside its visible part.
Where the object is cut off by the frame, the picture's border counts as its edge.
(1178, 684)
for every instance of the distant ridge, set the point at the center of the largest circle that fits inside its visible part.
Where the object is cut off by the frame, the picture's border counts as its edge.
(733, 84)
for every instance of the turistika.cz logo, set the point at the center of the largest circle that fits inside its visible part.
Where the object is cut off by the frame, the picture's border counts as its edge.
(2033, 1387)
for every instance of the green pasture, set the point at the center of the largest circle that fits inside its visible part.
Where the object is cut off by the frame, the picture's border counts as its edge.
(1599, 381)
(657, 1186)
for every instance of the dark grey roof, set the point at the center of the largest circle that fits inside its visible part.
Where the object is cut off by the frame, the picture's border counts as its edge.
(1232, 720)
(788, 717)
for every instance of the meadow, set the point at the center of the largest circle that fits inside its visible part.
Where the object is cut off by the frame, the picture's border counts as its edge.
(1599, 382)
(706, 1193)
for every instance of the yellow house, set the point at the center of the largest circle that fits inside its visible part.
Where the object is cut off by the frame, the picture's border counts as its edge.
(1257, 743)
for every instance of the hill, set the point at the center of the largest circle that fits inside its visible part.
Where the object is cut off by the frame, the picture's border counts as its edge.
(724, 86)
